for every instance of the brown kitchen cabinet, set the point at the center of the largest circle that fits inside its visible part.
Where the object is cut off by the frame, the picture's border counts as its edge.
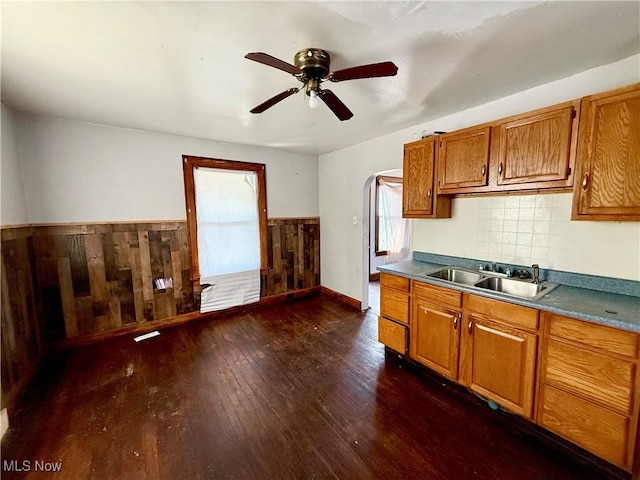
(530, 151)
(435, 328)
(393, 321)
(463, 159)
(499, 348)
(588, 389)
(536, 149)
(419, 197)
(607, 185)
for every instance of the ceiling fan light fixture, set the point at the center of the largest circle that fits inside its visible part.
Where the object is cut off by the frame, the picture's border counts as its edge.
(313, 99)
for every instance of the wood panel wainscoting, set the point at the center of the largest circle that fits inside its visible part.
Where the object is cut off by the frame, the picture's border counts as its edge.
(78, 283)
(293, 249)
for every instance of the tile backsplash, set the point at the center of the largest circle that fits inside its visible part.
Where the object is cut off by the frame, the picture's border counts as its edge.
(527, 229)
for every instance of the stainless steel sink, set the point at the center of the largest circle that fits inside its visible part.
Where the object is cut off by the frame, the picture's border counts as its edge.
(456, 275)
(517, 288)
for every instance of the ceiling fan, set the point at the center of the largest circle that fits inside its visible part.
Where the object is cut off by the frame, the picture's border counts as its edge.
(311, 67)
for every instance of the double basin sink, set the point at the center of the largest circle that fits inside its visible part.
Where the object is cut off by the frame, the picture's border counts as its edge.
(492, 281)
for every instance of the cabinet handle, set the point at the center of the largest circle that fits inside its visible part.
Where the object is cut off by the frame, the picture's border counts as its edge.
(484, 170)
(500, 169)
(455, 322)
(470, 327)
(585, 181)
(429, 193)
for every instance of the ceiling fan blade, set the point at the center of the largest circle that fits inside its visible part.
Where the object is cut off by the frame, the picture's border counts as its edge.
(335, 104)
(273, 62)
(383, 69)
(273, 100)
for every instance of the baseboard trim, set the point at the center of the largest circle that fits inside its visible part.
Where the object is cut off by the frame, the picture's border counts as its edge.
(140, 328)
(344, 299)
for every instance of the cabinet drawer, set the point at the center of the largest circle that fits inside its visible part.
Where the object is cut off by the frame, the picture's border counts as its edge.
(594, 428)
(604, 338)
(506, 312)
(439, 295)
(599, 378)
(394, 305)
(393, 281)
(392, 334)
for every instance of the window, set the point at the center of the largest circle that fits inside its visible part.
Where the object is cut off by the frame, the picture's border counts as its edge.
(388, 211)
(235, 224)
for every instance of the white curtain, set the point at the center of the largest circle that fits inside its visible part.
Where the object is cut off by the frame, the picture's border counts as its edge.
(228, 237)
(393, 230)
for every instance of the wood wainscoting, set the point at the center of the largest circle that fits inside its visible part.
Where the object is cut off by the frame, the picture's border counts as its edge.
(83, 281)
(23, 320)
(294, 255)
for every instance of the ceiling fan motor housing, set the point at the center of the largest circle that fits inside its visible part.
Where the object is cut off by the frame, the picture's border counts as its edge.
(313, 62)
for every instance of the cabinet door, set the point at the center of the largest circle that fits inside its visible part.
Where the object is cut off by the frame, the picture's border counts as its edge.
(463, 159)
(608, 160)
(435, 336)
(503, 361)
(392, 334)
(536, 148)
(419, 161)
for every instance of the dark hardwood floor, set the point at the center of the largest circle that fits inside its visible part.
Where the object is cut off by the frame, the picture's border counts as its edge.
(299, 390)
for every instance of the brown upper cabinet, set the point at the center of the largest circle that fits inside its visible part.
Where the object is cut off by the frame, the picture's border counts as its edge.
(536, 148)
(463, 160)
(420, 199)
(608, 159)
(529, 151)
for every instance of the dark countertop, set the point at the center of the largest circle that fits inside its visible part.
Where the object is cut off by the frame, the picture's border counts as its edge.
(605, 308)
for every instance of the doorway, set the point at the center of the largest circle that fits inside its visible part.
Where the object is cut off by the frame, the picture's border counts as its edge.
(373, 255)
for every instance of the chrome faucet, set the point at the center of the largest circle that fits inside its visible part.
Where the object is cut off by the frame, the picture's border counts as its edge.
(536, 273)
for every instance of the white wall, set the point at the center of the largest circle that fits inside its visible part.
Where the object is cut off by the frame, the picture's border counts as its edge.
(13, 209)
(342, 178)
(343, 173)
(82, 172)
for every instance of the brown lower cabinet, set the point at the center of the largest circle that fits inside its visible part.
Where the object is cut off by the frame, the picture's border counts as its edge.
(498, 352)
(589, 382)
(393, 321)
(577, 379)
(436, 317)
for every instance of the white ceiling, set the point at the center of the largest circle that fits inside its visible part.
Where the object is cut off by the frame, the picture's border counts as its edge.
(178, 67)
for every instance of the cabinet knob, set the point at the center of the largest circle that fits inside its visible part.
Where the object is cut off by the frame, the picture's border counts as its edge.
(429, 193)
(470, 327)
(585, 181)
(455, 322)
(484, 170)
(500, 168)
